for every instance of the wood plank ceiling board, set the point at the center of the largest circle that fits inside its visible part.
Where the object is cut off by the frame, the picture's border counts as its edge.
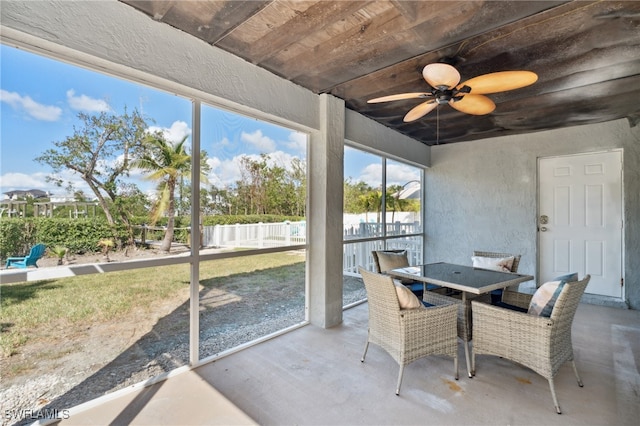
(586, 55)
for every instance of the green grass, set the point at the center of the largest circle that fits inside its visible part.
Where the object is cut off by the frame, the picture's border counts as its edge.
(30, 309)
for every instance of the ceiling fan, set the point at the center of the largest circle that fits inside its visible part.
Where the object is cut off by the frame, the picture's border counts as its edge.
(467, 97)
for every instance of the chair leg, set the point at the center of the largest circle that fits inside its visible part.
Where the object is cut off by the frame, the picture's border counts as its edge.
(366, 346)
(473, 362)
(553, 395)
(575, 371)
(399, 379)
(468, 359)
(455, 366)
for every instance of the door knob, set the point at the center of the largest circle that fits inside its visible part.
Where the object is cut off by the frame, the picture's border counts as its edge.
(543, 229)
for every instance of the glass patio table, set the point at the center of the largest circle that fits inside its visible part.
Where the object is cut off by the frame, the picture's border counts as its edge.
(466, 279)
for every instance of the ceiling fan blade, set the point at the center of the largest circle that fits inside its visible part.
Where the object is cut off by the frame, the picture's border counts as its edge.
(473, 104)
(420, 111)
(438, 75)
(500, 81)
(399, 97)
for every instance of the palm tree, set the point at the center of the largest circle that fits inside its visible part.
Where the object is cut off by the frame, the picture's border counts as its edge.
(167, 163)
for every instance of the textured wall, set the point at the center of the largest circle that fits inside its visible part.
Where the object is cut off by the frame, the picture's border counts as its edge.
(482, 195)
(372, 136)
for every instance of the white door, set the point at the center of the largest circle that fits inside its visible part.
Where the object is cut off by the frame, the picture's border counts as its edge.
(580, 219)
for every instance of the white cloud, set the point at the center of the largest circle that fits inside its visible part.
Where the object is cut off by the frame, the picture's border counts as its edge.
(225, 173)
(258, 140)
(23, 181)
(175, 133)
(371, 175)
(397, 174)
(297, 142)
(31, 107)
(400, 174)
(85, 103)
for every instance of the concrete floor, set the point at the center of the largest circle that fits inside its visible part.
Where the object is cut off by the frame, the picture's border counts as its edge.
(314, 376)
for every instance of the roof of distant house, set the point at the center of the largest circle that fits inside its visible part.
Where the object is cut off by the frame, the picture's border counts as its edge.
(34, 193)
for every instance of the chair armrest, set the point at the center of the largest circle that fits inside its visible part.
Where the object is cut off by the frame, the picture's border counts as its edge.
(16, 258)
(506, 323)
(433, 313)
(435, 320)
(433, 323)
(464, 311)
(516, 298)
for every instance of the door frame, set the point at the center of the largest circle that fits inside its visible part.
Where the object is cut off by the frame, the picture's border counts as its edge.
(622, 218)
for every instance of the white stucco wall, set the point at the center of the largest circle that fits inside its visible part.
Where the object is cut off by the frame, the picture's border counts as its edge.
(482, 195)
(365, 133)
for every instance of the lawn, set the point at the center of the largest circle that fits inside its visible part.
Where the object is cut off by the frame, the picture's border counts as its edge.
(29, 308)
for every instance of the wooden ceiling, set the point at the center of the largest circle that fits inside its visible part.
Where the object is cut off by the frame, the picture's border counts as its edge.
(586, 55)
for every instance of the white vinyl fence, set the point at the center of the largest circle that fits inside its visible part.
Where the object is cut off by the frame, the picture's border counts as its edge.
(255, 235)
(282, 234)
(359, 254)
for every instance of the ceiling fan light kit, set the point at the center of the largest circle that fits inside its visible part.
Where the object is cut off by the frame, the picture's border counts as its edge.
(467, 97)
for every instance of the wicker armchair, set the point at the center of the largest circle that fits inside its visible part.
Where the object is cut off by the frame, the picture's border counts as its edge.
(516, 257)
(540, 343)
(407, 334)
(416, 287)
(497, 295)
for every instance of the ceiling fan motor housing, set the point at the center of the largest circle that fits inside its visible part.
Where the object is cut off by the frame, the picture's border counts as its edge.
(442, 96)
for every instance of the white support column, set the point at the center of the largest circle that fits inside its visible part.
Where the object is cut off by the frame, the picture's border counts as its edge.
(194, 293)
(326, 170)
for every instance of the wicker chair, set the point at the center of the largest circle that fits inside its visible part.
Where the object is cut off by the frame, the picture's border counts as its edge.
(416, 287)
(407, 334)
(540, 343)
(497, 295)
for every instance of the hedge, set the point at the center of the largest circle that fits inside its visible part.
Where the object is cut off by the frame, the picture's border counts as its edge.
(18, 235)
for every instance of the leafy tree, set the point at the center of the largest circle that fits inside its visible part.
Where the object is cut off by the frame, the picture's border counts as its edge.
(251, 188)
(372, 201)
(167, 164)
(219, 201)
(355, 197)
(298, 176)
(183, 202)
(133, 201)
(100, 152)
(269, 189)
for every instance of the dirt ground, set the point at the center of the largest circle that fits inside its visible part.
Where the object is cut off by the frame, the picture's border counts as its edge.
(50, 261)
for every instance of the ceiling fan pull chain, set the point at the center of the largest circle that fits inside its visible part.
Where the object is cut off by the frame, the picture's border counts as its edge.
(437, 126)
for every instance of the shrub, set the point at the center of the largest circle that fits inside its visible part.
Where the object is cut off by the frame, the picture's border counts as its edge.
(18, 235)
(13, 238)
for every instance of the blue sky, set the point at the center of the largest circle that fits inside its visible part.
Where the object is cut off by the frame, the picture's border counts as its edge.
(40, 99)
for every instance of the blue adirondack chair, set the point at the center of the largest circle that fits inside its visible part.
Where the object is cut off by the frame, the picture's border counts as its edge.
(36, 253)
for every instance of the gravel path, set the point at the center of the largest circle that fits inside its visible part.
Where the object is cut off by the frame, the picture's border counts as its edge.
(161, 349)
